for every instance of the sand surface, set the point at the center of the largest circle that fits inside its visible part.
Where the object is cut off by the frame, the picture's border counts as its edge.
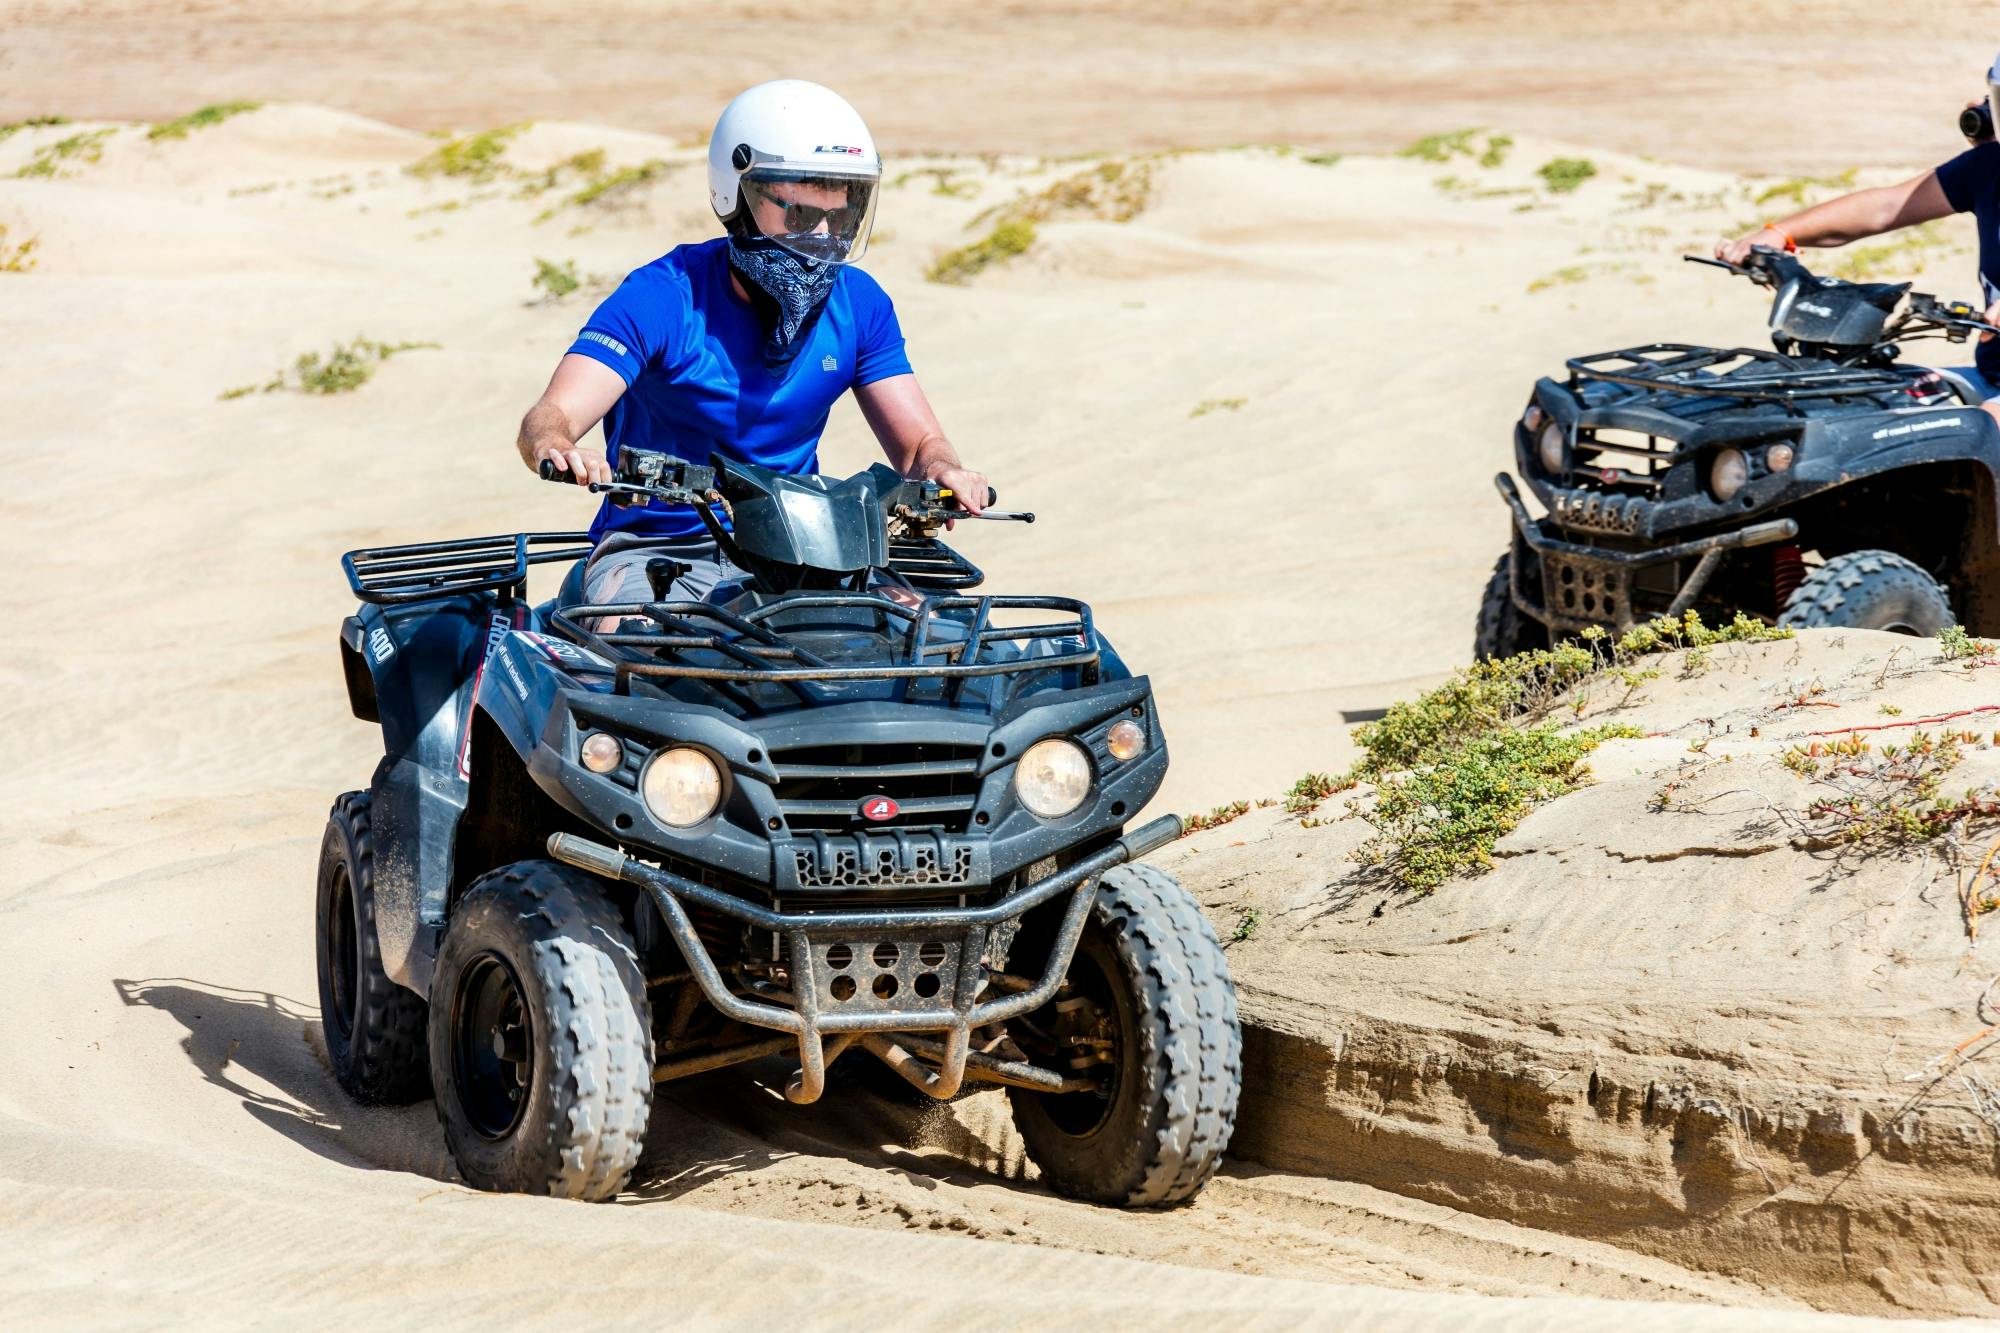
(1270, 477)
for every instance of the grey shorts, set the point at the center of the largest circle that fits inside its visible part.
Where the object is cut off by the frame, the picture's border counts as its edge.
(617, 569)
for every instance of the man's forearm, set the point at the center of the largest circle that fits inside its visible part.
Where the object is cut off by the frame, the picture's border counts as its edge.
(545, 426)
(934, 454)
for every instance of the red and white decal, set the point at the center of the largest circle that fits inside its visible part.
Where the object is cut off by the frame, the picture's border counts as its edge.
(879, 808)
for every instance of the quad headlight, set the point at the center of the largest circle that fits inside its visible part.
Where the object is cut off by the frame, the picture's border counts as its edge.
(681, 787)
(1053, 777)
(1728, 473)
(1553, 446)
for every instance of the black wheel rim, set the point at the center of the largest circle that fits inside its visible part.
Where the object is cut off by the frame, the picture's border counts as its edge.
(1086, 1022)
(492, 1046)
(343, 948)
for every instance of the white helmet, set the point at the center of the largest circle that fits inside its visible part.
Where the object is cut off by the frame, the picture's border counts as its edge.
(792, 161)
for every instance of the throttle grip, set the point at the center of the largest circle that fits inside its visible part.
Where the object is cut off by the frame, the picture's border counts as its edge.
(549, 473)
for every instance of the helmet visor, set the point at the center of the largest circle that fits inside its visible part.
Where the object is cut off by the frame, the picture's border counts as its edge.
(815, 215)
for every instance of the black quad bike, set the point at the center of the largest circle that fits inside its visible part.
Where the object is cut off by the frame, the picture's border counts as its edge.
(838, 807)
(1819, 484)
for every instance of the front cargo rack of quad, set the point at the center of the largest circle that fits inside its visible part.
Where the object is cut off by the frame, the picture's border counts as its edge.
(1746, 373)
(668, 641)
(423, 571)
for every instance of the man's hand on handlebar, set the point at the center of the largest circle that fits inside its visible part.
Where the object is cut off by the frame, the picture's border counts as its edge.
(1738, 250)
(967, 487)
(1992, 316)
(584, 463)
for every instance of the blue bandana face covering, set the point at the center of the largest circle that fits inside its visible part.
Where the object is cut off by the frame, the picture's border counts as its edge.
(793, 289)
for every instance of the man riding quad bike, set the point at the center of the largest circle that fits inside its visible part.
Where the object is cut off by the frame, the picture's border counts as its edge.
(763, 779)
(1823, 483)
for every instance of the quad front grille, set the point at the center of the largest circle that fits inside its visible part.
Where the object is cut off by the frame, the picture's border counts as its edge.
(881, 861)
(822, 788)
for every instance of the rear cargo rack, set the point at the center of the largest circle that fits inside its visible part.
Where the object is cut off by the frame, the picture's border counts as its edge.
(1735, 372)
(421, 571)
(701, 641)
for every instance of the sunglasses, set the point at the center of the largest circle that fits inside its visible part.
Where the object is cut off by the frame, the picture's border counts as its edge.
(801, 219)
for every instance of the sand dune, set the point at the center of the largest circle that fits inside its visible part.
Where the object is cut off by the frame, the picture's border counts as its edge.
(1263, 453)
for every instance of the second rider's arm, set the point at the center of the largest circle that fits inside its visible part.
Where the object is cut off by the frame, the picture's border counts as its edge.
(579, 394)
(1848, 218)
(910, 435)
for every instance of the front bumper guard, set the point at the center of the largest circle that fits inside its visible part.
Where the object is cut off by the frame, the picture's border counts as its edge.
(958, 1009)
(1612, 569)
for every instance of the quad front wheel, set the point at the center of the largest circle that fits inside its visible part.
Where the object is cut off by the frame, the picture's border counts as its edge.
(1148, 1007)
(541, 1036)
(1869, 590)
(1502, 630)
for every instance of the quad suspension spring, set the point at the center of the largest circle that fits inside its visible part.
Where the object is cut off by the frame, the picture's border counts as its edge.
(1788, 571)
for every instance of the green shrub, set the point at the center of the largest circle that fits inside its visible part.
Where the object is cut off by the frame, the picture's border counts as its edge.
(81, 148)
(1216, 818)
(1434, 822)
(31, 123)
(1246, 925)
(556, 280)
(1456, 770)
(19, 257)
(1563, 174)
(342, 370)
(213, 114)
(1008, 238)
(474, 157)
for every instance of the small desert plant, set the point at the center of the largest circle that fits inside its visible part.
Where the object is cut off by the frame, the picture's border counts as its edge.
(1246, 925)
(1562, 277)
(31, 123)
(473, 157)
(1009, 237)
(556, 280)
(213, 114)
(1954, 644)
(1455, 769)
(1306, 794)
(17, 257)
(1207, 405)
(1216, 818)
(1563, 174)
(345, 368)
(81, 148)
(1437, 821)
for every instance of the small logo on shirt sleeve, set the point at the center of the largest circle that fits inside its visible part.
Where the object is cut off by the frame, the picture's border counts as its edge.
(593, 335)
(829, 362)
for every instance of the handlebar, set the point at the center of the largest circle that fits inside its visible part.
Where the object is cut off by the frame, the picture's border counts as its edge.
(646, 476)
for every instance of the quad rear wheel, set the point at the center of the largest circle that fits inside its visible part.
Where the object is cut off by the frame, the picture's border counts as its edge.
(374, 1029)
(1149, 1005)
(541, 1036)
(1869, 590)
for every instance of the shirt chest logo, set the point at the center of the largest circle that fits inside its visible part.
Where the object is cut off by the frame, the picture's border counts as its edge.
(829, 363)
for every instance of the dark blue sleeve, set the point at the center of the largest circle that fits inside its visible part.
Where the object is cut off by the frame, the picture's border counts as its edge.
(1969, 175)
(632, 327)
(878, 352)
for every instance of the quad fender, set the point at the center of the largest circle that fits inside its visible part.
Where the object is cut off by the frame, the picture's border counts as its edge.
(416, 669)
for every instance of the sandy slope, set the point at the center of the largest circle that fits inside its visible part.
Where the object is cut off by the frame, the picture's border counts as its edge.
(175, 728)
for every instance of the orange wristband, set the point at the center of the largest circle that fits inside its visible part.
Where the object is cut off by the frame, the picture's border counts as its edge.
(1791, 246)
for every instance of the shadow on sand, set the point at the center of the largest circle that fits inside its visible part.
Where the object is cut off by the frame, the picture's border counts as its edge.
(267, 1051)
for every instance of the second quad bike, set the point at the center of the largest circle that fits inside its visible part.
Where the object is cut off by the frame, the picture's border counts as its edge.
(1822, 483)
(840, 809)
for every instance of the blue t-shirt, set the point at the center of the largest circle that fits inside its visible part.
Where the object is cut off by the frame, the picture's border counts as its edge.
(1971, 184)
(691, 353)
